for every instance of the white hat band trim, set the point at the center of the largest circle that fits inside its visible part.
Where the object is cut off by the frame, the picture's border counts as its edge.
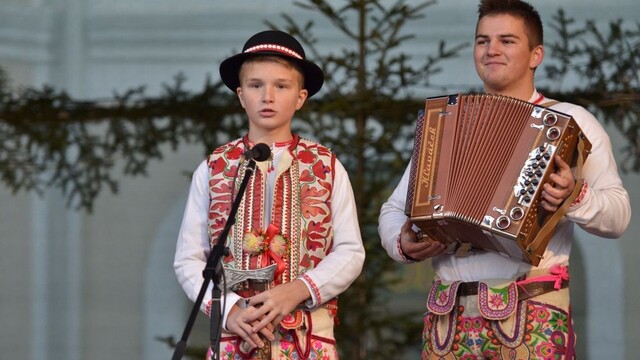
(273, 47)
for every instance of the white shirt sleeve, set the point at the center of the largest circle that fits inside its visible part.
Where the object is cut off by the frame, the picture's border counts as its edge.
(604, 210)
(343, 264)
(392, 217)
(192, 248)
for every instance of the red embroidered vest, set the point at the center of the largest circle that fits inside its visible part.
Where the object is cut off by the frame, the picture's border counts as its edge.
(301, 207)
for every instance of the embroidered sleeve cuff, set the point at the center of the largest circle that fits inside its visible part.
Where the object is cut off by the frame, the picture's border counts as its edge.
(316, 299)
(583, 192)
(405, 257)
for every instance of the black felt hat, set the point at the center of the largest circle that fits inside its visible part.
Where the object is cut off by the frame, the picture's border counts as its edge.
(274, 43)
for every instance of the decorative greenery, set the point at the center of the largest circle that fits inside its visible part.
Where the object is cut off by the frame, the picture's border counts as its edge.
(366, 115)
(607, 66)
(50, 140)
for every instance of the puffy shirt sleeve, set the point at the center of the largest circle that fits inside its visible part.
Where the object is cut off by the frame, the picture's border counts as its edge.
(604, 210)
(392, 217)
(192, 248)
(343, 264)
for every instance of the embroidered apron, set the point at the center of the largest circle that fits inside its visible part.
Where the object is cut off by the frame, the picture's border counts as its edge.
(495, 324)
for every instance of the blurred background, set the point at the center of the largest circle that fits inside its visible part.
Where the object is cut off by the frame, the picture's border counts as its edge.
(80, 282)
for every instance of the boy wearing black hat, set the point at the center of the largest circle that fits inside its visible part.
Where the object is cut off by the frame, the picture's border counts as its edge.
(297, 221)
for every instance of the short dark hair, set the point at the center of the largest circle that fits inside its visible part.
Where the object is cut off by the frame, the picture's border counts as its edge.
(517, 8)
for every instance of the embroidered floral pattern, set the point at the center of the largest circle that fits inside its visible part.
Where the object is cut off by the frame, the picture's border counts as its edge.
(303, 235)
(497, 303)
(293, 320)
(472, 325)
(442, 297)
(288, 348)
(547, 335)
(317, 348)
(301, 209)
(560, 321)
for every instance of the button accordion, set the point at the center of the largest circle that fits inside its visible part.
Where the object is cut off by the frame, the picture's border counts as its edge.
(477, 170)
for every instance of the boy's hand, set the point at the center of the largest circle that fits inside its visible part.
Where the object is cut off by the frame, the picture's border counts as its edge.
(239, 324)
(276, 303)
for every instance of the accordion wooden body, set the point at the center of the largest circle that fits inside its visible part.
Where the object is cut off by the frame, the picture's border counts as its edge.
(478, 166)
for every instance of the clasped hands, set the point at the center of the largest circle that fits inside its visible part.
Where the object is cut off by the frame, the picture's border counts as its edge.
(263, 312)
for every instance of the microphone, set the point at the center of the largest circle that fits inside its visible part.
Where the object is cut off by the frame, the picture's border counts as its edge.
(260, 152)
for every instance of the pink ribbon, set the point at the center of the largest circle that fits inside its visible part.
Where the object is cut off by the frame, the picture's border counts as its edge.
(557, 274)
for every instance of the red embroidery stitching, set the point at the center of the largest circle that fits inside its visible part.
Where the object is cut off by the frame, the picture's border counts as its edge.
(402, 254)
(583, 192)
(314, 287)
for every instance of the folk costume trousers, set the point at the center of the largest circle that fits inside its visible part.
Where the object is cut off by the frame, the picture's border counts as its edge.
(305, 334)
(503, 320)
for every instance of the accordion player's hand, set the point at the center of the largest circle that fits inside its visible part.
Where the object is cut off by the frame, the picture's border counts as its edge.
(562, 183)
(417, 246)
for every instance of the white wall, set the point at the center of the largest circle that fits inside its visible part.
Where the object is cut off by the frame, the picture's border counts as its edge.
(100, 285)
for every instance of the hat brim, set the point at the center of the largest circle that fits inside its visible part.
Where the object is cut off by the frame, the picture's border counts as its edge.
(230, 71)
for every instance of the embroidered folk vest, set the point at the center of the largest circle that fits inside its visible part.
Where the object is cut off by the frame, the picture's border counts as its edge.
(301, 207)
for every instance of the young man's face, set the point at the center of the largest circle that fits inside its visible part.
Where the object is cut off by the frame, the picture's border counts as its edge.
(502, 56)
(270, 92)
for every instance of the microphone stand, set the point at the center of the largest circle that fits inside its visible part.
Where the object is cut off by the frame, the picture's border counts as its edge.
(213, 272)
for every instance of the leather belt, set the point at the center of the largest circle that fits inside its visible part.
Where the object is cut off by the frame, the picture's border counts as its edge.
(525, 291)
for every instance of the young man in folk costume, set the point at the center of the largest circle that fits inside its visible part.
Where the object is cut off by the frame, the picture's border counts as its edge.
(297, 221)
(486, 305)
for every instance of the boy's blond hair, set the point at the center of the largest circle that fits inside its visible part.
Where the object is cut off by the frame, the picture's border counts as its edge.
(277, 59)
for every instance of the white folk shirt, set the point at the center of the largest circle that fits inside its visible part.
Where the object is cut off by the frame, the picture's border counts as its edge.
(603, 211)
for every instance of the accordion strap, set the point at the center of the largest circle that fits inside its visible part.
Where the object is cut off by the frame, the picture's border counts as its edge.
(544, 235)
(550, 103)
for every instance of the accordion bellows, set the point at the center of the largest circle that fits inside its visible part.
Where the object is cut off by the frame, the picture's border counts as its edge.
(478, 166)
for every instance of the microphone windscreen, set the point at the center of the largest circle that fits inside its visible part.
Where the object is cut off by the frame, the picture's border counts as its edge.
(261, 152)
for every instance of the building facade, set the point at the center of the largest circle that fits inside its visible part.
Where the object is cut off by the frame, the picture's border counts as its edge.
(75, 285)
